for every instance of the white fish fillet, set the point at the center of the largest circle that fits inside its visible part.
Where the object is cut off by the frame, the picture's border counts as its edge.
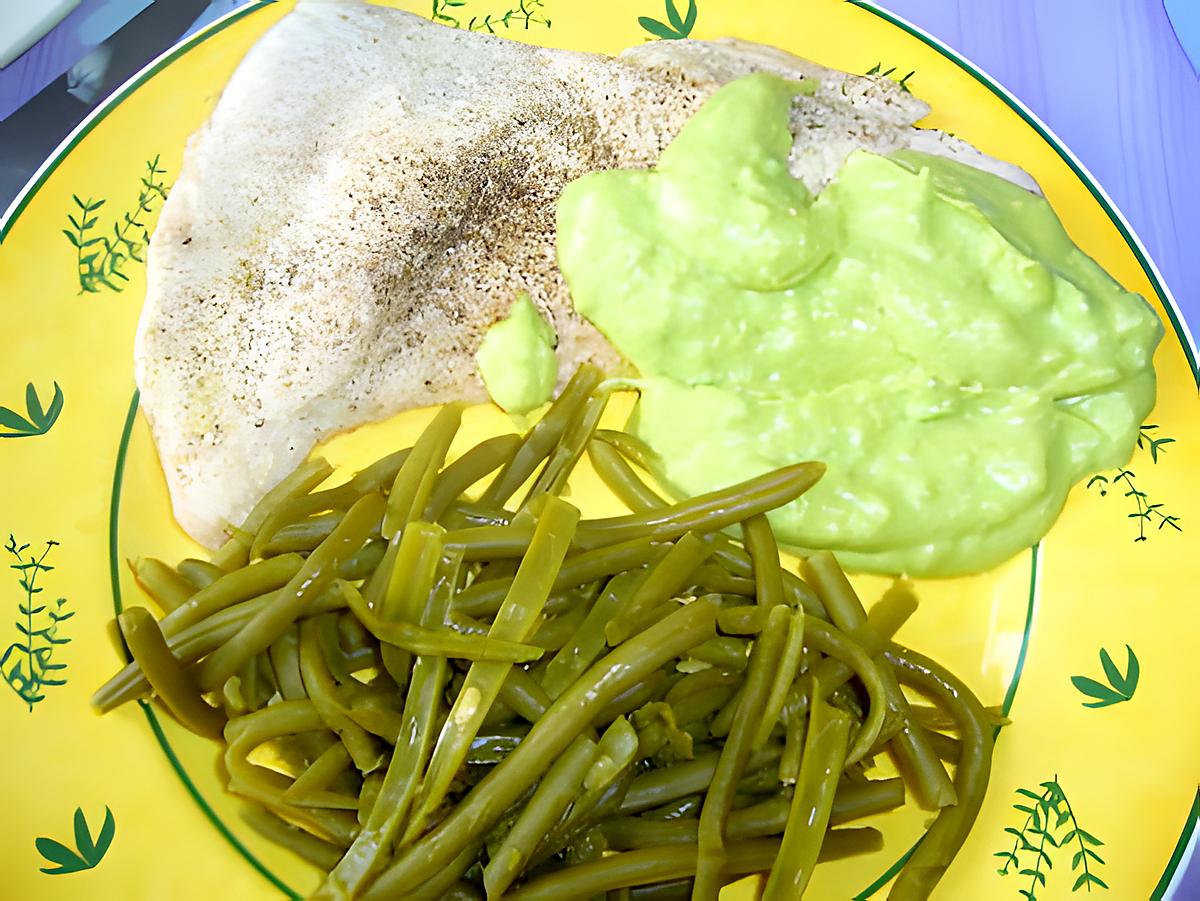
(368, 197)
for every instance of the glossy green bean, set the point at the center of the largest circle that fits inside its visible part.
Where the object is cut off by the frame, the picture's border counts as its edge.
(910, 747)
(759, 540)
(540, 441)
(194, 642)
(167, 588)
(925, 867)
(781, 683)
(620, 478)
(199, 573)
(303, 535)
(553, 477)
(523, 695)
(515, 621)
(640, 868)
(317, 571)
(332, 762)
(321, 688)
(567, 717)
(549, 802)
(235, 553)
(166, 677)
(710, 512)
(453, 481)
(665, 579)
(397, 790)
(252, 581)
(821, 765)
(735, 754)
(308, 847)
(484, 598)
(581, 649)
(414, 482)
(661, 786)
(834, 643)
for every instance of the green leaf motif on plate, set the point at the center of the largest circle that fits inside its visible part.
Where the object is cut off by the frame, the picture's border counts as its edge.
(86, 854)
(1050, 829)
(28, 665)
(37, 420)
(879, 70)
(1120, 686)
(1145, 513)
(525, 15)
(677, 27)
(101, 258)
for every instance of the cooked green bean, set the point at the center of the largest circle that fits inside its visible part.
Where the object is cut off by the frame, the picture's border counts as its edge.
(414, 482)
(165, 675)
(821, 765)
(726, 653)
(414, 743)
(759, 540)
(710, 512)
(833, 642)
(484, 598)
(167, 588)
(484, 458)
(568, 715)
(925, 867)
(409, 583)
(515, 621)
(665, 784)
(235, 553)
(666, 578)
(542, 438)
(200, 573)
(319, 682)
(251, 581)
(914, 755)
(764, 660)
(553, 477)
(308, 847)
(789, 665)
(582, 648)
(522, 693)
(317, 570)
(550, 800)
(541, 706)
(641, 868)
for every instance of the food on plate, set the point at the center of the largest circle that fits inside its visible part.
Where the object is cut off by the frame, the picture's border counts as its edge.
(924, 328)
(355, 215)
(516, 359)
(436, 692)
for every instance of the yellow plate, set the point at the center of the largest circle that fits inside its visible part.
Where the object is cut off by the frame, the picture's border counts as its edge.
(81, 490)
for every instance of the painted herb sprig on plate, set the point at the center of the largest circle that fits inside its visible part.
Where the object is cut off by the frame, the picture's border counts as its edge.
(1145, 512)
(1120, 687)
(37, 420)
(677, 26)
(88, 851)
(524, 15)
(1050, 828)
(101, 258)
(28, 664)
(879, 70)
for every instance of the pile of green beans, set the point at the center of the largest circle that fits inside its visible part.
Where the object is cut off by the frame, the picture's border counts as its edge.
(429, 690)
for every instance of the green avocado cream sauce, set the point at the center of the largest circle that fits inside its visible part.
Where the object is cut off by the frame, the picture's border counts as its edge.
(926, 329)
(516, 359)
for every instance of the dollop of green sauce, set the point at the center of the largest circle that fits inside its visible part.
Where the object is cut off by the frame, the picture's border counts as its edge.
(926, 329)
(516, 359)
